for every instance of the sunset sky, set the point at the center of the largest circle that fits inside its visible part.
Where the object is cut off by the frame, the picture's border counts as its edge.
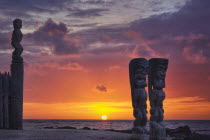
(76, 55)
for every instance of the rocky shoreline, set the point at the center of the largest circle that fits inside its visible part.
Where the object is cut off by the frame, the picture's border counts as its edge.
(86, 133)
(180, 133)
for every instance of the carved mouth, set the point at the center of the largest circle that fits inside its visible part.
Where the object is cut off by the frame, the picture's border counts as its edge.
(139, 81)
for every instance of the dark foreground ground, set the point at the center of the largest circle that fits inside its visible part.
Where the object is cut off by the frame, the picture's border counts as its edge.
(71, 133)
(64, 134)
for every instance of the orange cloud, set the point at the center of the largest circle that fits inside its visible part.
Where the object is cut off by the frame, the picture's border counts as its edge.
(132, 34)
(188, 108)
(176, 108)
(196, 57)
(79, 110)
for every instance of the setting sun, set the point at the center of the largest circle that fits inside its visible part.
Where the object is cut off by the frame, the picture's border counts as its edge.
(104, 117)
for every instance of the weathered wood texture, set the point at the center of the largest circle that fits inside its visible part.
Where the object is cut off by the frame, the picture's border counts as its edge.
(138, 69)
(16, 98)
(157, 74)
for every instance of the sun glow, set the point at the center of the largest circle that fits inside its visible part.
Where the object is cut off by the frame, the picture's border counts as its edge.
(104, 117)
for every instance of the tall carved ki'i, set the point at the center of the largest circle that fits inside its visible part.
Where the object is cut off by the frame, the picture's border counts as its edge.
(138, 69)
(17, 73)
(156, 83)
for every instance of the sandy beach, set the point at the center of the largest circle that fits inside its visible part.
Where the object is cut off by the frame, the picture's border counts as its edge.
(62, 134)
(79, 134)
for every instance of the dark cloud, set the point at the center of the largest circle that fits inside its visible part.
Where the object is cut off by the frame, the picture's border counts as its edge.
(165, 35)
(101, 88)
(31, 5)
(98, 1)
(85, 25)
(190, 19)
(29, 11)
(50, 26)
(55, 36)
(87, 13)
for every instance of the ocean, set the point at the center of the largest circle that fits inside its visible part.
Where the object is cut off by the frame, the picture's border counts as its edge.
(199, 126)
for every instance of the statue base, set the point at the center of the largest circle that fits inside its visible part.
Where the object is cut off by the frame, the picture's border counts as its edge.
(139, 130)
(16, 99)
(139, 137)
(157, 131)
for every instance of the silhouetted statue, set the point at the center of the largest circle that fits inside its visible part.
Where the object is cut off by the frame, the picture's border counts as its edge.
(17, 77)
(16, 39)
(157, 74)
(138, 69)
(11, 87)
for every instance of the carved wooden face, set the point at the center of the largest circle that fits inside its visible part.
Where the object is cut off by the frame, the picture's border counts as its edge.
(161, 74)
(140, 74)
(140, 78)
(138, 69)
(158, 77)
(142, 68)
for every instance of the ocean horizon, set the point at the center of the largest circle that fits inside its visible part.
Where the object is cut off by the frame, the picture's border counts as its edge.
(198, 126)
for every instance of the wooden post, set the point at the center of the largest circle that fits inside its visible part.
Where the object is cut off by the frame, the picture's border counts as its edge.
(16, 101)
(17, 72)
(157, 74)
(138, 69)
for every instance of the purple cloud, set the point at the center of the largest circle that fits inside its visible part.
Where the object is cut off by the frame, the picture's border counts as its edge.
(101, 88)
(86, 13)
(55, 36)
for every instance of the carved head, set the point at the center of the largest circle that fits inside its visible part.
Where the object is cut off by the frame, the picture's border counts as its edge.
(160, 71)
(138, 69)
(157, 71)
(17, 24)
